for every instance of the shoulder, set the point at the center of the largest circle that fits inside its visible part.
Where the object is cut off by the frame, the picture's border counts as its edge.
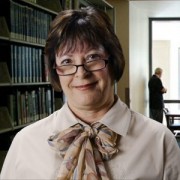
(40, 128)
(154, 78)
(150, 128)
(56, 122)
(154, 135)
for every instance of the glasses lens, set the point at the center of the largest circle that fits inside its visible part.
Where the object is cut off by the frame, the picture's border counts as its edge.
(88, 66)
(66, 70)
(95, 65)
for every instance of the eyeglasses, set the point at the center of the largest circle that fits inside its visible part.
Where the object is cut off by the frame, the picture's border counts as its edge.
(89, 66)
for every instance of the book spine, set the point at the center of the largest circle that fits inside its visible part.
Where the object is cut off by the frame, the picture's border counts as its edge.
(33, 57)
(40, 64)
(16, 23)
(48, 102)
(23, 108)
(23, 65)
(12, 63)
(18, 105)
(33, 105)
(30, 62)
(15, 62)
(12, 107)
(12, 19)
(27, 67)
(36, 66)
(19, 65)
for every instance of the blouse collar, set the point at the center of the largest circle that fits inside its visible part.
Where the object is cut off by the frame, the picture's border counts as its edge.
(117, 118)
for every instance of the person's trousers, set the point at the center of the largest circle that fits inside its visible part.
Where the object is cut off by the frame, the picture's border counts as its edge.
(157, 114)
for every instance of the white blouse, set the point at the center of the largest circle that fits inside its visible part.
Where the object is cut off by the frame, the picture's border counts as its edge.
(147, 149)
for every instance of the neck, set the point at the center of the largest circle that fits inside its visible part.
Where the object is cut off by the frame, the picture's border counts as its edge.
(157, 75)
(89, 115)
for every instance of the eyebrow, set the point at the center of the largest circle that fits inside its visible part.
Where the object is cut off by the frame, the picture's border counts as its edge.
(70, 53)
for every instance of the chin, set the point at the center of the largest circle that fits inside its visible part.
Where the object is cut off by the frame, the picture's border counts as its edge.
(86, 103)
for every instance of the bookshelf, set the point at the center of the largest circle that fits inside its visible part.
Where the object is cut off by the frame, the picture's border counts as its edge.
(25, 91)
(26, 94)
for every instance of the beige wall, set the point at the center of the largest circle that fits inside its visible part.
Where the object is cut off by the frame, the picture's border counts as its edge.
(122, 31)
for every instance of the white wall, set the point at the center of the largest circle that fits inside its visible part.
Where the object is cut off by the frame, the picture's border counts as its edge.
(139, 13)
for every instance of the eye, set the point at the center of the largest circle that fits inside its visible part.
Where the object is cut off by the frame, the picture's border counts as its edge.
(66, 61)
(93, 57)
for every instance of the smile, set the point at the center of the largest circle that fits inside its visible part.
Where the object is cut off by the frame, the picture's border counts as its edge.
(86, 86)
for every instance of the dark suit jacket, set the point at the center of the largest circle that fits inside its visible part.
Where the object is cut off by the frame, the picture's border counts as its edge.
(155, 93)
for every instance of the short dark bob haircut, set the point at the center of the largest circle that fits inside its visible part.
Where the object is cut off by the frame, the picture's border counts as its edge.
(86, 26)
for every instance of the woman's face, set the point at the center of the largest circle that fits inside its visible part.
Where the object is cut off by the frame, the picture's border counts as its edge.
(86, 90)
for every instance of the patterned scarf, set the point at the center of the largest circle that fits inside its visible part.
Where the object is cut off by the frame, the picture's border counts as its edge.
(83, 148)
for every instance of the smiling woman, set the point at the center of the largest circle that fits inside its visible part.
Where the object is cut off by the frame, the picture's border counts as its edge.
(94, 135)
(90, 87)
(74, 32)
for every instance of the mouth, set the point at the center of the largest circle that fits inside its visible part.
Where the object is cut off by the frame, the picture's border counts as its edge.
(86, 86)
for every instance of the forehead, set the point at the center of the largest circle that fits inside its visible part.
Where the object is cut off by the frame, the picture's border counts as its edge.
(78, 46)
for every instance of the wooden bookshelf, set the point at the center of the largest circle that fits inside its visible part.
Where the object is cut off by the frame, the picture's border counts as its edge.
(25, 91)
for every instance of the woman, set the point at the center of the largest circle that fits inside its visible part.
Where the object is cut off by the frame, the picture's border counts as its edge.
(94, 135)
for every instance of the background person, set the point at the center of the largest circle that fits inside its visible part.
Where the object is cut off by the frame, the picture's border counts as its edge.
(156, 91)
(94, 135)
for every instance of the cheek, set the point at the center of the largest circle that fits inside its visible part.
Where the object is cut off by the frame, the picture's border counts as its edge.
(109, 83)
(105, 76)
(64, 82)
(104, 83)
(111, 74)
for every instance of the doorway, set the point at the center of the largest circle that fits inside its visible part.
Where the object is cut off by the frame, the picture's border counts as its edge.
(165, 53)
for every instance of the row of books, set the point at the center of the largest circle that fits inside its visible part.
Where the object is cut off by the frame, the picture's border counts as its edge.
(27, 65)
(28, 24)
(29, 106)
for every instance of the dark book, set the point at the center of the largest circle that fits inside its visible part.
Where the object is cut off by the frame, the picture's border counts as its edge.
(12, 63)
(15, 63)
(40, 64)
(30, 64)
(23, 65)
(19, 107)
(48, 99)
(33, 106)
(45, 71)
(33, 56)
(11, 105)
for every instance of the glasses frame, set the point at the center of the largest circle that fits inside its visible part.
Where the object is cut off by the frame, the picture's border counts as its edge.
(106, 61)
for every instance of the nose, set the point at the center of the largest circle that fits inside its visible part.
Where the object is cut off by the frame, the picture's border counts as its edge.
(81, 71)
